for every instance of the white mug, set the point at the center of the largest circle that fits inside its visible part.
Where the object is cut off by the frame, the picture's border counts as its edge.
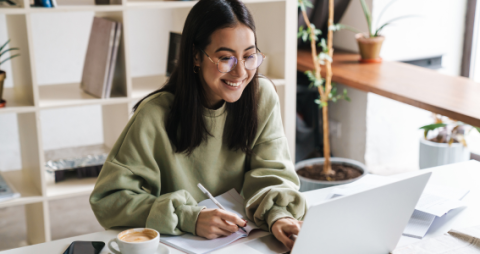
(143, 247)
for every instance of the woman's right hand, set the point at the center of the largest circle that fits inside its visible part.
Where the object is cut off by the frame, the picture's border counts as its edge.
(214, 223)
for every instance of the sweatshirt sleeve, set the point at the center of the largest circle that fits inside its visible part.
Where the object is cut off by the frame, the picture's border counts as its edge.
(271, 184)
(128, 189)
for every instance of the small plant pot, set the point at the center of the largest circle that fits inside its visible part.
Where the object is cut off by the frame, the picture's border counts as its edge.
(307, 184)
(369, 48)
(3, 76)
(434, 154)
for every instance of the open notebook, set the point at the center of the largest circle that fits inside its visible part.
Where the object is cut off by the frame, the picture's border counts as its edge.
(233, 202)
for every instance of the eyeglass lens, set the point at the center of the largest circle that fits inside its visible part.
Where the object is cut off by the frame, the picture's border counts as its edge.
(251, 62)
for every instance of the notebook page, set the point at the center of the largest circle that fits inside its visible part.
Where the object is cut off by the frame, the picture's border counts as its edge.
(233, 202)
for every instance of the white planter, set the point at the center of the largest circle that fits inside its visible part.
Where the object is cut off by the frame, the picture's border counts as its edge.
(434, 154)
(307, 184)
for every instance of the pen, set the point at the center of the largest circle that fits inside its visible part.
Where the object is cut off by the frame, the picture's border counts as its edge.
(215, 201)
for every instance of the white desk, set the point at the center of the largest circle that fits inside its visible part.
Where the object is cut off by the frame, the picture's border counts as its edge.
(465, 175)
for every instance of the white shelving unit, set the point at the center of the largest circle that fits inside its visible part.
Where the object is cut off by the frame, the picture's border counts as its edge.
(276, 22)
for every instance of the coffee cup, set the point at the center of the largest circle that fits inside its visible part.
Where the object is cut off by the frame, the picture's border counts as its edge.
(136, 241)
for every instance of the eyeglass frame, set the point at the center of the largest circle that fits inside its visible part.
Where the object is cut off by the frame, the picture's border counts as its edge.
(233, 67)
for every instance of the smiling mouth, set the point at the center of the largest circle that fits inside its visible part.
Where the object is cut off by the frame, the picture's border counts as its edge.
(233, 84)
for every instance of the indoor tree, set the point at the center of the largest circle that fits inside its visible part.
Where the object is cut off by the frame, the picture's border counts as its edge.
(326, 88)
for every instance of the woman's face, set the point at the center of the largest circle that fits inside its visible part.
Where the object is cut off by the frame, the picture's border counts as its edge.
(238, 41)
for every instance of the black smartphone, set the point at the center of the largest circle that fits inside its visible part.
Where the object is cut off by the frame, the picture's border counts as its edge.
(83, 247)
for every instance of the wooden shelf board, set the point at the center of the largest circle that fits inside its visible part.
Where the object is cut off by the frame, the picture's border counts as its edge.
(14, 103)
(178, 4)
(160, 4)
(29, 194)
(455, 97)
(71, 95)
(142, 86)
(70, 188)
(72, 8)
(12, 10)
(111, 8)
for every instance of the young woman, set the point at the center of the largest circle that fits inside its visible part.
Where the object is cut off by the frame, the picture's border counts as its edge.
(215, 122)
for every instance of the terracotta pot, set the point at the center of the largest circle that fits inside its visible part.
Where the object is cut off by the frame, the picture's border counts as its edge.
(307, 184)
(3, 76)
(369, 48)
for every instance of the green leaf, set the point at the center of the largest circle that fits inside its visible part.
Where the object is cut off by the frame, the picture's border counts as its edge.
(391, 21)
(305, 37)
(11, 57)
(323, 44)
(318, 101)
(5, 51)
(434, 126)
(350, 28)
(384, 9)
(477, 128)
(307, 3)
(3, 46)
(368, 16)
(301, 5)
(324, 56)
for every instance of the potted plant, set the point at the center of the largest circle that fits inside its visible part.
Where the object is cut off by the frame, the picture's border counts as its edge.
(323, 172)
(370, 44)
(3, 74)
(443, 142)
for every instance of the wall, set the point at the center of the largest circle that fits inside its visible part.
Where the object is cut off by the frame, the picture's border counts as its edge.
(391, 137)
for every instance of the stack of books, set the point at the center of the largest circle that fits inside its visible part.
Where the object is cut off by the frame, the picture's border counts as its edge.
(99, 67)
(45, 3)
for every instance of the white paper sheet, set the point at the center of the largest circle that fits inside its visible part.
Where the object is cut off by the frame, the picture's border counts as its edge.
(463, 241)
(436, 205)
(418, 225)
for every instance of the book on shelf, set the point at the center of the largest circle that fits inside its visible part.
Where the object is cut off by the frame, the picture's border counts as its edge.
(7, 191)
(173, 51)
(100, 60)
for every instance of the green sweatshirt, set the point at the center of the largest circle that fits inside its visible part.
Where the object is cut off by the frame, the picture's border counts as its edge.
(143, 183)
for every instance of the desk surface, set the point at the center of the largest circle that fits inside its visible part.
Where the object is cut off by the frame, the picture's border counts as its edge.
(464, 175)
(455, 97)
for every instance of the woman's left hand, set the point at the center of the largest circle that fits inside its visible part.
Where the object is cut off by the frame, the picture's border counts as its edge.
(282, 229)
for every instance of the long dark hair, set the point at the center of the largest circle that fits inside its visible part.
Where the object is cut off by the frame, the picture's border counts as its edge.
(185, 124)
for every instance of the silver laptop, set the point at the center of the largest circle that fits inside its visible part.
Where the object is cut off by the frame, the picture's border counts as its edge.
(367, 222)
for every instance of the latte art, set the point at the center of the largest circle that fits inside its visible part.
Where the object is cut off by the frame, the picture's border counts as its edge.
(138, 236)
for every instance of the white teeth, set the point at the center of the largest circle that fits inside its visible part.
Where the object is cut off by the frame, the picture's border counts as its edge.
(233, 84)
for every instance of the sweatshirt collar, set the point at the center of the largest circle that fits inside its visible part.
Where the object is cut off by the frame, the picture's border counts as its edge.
(215, 112)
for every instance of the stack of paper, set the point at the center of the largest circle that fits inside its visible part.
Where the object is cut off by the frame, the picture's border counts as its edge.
(436, 201)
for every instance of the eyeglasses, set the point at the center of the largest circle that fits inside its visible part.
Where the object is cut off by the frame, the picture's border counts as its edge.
(227, 64)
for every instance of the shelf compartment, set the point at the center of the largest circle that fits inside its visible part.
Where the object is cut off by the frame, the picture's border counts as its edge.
(61, 95)
(23, 185)
(16, 103)
(70, 188)
(142, 86)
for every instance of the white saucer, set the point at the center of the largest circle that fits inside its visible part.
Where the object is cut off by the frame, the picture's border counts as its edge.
(162, 249)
